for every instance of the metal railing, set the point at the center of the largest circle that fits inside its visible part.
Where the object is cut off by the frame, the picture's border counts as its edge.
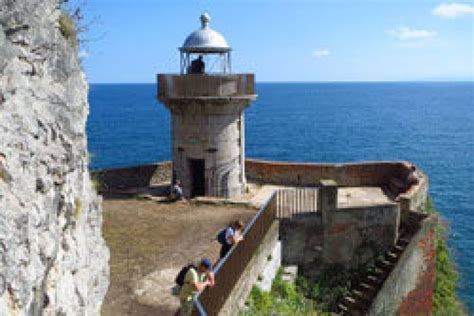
(296, 201)
(229, 270)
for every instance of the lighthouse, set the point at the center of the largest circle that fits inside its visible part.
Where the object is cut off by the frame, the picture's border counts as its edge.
(207, 102)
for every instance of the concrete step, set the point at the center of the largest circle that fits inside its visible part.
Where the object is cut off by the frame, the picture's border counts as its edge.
(397, 249)
(403, 242)
(362, 296)
(391, 257)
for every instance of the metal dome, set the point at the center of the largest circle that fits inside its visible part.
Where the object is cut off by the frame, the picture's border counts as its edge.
(205, 40)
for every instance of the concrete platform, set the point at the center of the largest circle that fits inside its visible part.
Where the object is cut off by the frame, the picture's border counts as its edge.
(257, 195)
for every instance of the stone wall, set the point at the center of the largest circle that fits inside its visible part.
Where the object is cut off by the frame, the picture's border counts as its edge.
(133, 177)
(408, 290)
(53, 260)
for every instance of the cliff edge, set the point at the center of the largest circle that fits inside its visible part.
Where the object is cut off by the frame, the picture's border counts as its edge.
(53, 259)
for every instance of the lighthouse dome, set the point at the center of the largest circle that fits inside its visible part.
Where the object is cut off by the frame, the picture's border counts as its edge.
(205, 40)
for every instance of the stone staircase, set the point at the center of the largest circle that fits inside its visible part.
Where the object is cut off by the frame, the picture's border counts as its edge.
(360, 299)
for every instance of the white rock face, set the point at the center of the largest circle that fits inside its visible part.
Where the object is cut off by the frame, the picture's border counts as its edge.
(53, 259)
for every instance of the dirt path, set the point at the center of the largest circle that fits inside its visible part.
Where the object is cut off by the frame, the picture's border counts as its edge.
(149, 242)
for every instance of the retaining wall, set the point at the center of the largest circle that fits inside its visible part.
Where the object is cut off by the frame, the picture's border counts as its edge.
(408, 290)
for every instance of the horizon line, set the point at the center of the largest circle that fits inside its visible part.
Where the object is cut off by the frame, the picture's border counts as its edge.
(329, 81)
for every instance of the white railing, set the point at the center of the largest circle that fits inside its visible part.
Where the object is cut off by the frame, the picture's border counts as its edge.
(296, 201)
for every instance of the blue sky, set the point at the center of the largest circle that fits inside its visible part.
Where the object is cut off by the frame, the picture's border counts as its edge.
(132, 40)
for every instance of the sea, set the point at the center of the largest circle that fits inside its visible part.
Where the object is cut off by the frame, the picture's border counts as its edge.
(428, 123)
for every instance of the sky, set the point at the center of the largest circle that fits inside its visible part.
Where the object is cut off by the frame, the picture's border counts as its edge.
(130, 41)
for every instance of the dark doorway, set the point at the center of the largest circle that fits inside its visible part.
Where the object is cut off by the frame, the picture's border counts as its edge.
(196, 168)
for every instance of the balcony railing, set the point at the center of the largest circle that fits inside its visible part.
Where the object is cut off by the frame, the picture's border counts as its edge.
(172, 86)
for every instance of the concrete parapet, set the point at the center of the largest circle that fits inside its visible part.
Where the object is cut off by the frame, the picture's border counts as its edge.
(282, 173)
(174, 86)
(415, 198)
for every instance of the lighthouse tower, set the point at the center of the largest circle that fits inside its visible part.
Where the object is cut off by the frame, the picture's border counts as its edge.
(207, 103)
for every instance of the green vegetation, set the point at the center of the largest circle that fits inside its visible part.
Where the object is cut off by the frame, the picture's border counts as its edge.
(445, 301)
(67, 26)
(77, 208)
(306, 298)
(95, 183)
(4, 175)
(283, 299)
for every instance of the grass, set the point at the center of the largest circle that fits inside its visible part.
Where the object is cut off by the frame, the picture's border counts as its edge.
(4, 176)
(445, 300)
(68, 28)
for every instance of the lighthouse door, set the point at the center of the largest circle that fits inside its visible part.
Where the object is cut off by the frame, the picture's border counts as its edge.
(196, 167)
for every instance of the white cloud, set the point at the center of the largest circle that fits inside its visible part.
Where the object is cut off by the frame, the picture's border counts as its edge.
(405, 33)
(320, 53)
(83, 54)
(452, 10)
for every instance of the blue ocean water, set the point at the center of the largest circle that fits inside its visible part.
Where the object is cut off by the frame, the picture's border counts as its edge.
(429, 123)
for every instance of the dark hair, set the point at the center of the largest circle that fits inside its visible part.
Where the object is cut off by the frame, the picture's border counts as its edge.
(237, 224)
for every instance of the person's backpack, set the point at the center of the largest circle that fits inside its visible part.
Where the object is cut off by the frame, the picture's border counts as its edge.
(221, 236)
(179, 280)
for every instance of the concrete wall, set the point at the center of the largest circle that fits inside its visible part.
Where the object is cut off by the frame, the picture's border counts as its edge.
(415, 197)
(302, 239)
(239, 294)
(408, 290)
(348, 236)
(352, 236)
(309, 174)
(133, 177)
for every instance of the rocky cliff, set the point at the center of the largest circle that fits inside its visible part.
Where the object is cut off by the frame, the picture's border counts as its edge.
(53, 260)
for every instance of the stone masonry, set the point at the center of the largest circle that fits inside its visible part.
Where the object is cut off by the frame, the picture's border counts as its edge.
(53, 260)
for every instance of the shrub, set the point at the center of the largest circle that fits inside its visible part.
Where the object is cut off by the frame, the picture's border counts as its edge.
(68, 29)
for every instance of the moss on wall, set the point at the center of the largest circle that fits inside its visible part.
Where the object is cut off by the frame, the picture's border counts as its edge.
(445, 300)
